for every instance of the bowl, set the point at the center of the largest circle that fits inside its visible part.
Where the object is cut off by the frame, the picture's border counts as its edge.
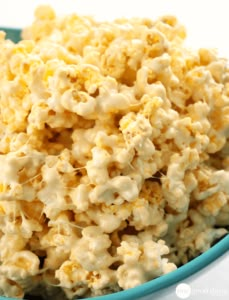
(13, 34)
(147, 290)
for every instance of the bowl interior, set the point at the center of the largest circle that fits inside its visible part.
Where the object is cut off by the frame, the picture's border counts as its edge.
(13, 34)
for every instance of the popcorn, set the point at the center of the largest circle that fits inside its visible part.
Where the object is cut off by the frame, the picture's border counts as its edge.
(10, 243)
(174, 189)
(71, 274)
(94, 245)
(114, 154)
(20, 265)
(101, 281)
(107, 221)
(10, 288)
(193, 234)
(142, 261)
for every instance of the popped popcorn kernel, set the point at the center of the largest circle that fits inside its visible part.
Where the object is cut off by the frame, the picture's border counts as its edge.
(113, 153)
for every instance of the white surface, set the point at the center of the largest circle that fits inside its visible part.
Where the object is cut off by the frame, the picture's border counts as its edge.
(210, 283)
(207, 24)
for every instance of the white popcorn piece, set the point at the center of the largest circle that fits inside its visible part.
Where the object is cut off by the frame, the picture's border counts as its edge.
(10, 288)
(142, 261)
(20, 265)
(94, 245)
(113, 151)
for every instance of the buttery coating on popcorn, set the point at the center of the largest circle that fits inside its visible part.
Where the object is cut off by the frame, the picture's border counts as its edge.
(114, 154)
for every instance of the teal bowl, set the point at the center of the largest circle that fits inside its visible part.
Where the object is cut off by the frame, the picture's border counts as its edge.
(159, 284)
(148, 289)
(13, 34)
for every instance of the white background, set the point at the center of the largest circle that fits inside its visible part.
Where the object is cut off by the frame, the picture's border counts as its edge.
(207, 21)
(207, 24)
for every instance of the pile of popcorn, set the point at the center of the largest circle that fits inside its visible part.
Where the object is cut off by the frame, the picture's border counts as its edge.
(113, 153)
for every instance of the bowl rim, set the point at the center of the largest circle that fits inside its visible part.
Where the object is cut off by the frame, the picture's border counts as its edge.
(167, 280)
